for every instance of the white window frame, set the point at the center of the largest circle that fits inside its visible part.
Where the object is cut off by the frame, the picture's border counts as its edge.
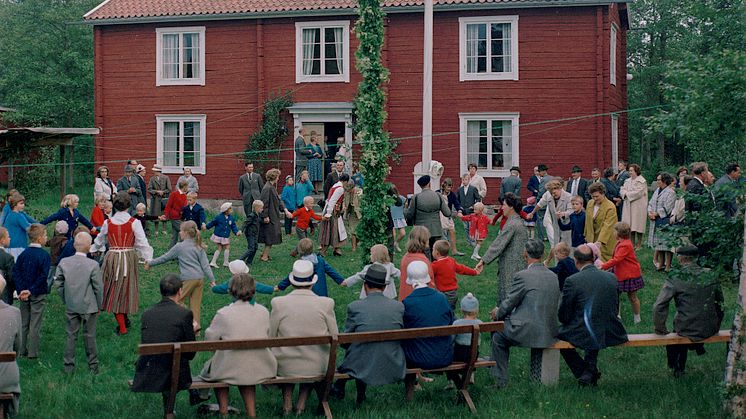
(614, 140)
(322, 78)
(511, 75)
(162, 81)
(202, 119)
(513, 117)
(612, 54)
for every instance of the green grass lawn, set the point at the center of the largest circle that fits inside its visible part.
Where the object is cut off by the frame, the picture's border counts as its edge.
(635, 383)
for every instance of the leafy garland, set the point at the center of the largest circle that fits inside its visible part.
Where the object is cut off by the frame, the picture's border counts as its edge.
(263, 146)
(370, 114)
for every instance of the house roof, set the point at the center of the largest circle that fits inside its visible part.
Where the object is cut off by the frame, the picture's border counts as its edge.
(130, 11)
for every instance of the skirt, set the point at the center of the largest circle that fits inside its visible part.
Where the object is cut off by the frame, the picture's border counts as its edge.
(120, 274)
(400, 223)
(655, 239)
(630, 285)
(315, 169)
(446, 223)
(329, 232)
(220, 240)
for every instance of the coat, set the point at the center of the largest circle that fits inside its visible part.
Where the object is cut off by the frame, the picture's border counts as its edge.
(10, 341)
(271, 233)
(624, 261)
(164, 322)
(508, 249)
(699, 306)
(563, 204)
(105, 187)
(224, 225)
(589, 308)
(662, 204)
(582, 188)
(601, 227)
(238, 321)
(427, 307)
(250, 187)
(510, 184)
(634, 194)
(374, 363)
(302, 313)
(6, 270)
(468, 196)
(159, 188)
(72, 220)
(136, 197)
(530, 309)
(79, 283)
(426, 208)
(321, 269)
(331, 179)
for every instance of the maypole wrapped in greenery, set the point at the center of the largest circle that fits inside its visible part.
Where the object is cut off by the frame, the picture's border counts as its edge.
(370, 114)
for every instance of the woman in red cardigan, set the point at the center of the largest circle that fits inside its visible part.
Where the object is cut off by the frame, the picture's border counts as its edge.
(625, 266)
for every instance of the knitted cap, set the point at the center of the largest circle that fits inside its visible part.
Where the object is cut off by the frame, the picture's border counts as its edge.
(470, 303)
(61, 227)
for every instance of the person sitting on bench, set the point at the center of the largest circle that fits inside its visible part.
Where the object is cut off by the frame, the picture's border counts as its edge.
(375, 363)
(588, 314)
(10, 340)
(699, 308)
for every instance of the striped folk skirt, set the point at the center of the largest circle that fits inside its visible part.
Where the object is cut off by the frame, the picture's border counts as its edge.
(329, 232)
(120, 273)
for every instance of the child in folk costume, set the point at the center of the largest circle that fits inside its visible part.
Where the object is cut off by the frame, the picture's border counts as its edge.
(126, 240)
(379, 255)
(224, 223)
(69, 213)
(478, 223)
(351, 211)
(331, 231)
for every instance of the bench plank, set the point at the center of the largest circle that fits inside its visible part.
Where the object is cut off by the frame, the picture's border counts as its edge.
(651, 339)
(7, 356)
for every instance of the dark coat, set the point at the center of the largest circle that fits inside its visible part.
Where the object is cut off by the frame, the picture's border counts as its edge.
(510, 184)
(374, 363)
(164, 322)
(533, 185)
(564, 269)
(468, 197)
(426, 307)
(250, 187)
(6, 269)
(591, 293)
(582, 188)
(271, 233)
(427, 207)
(612, 190)
(621, 177)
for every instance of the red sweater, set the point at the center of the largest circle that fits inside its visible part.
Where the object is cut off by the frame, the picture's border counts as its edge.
(444, 272)
(504, 220)
(624, 261)
(97, 219)
(304, 216)
(176, 202)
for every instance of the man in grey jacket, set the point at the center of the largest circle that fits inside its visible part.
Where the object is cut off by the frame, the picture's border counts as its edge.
(511, 183)
(250, 187)
(130, 183)
(425, 209)
(301, 153)
(529, 311)
(82, 290)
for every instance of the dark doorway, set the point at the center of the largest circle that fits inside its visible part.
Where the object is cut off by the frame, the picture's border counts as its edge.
(332, 131)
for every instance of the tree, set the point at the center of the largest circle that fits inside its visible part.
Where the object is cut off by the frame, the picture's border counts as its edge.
(369, 110)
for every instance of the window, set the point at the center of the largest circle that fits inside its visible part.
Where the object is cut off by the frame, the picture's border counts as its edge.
(612, 56)
(180, 56)
(614, 140)
(490, 141)
(322, 52)
(181, 142)
(488, 48)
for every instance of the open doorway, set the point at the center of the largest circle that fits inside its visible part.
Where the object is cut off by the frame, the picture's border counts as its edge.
(334, 137)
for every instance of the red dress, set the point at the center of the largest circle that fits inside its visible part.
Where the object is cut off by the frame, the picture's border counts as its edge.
(120, 269)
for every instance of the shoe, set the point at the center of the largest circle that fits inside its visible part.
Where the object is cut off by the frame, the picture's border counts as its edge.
(476, 257)
(214, 265)
(459, 253)
(337, 253)
(127, 321)
(195, 397)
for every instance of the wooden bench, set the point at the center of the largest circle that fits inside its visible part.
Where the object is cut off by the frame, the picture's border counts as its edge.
(6, 397)
(465, 369)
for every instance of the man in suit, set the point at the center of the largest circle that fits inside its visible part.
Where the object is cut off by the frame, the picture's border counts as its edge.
(130, 183)
(301, 152)
(467, 196)
(612, 191)
(533, 183)
(79, 283)
(250, 187)
(529, 311)
(333, 177)
(511, 183)
(623, 173)
(166, 321)
(588, 314)
(426, 207)
(372, 363)
(6, 267)
(725, 188)
(576, 185)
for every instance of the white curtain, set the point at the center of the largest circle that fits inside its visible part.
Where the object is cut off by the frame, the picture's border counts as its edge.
(506, 47)
(170, 56)
(309, 42)
(171, 144)
(472, 41)
(339, 47)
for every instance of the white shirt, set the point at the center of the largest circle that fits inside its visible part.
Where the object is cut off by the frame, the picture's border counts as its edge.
(141, 242)
(329, 207)
(478, 182)
(574, 187)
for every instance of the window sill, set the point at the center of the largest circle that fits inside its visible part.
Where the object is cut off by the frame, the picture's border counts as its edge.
(177, 170)
(180, 82)
(322, 79)
(489, 77)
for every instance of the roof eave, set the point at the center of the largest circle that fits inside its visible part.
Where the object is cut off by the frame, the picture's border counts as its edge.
(338, 12)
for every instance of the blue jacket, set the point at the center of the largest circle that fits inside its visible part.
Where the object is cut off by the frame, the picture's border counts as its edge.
(322, 269)
(63, 214)
(223, 225)
(17, 224)
(577, 223)
(302, 190)
(289, 197)
(31, 270)
(427, 307)
(564, 269)
(196, 214)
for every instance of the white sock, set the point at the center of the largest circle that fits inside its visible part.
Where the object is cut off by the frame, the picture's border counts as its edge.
(637, 318)
(215, 257)
(476, 249)
(226, 256)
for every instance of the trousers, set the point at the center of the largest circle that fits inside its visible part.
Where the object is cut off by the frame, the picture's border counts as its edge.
(32, 312)
(191, 290)
(74, 323)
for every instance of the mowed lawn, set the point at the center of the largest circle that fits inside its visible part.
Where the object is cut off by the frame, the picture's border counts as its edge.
(636, 382)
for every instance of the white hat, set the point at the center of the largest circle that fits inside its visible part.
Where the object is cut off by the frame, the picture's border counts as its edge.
(140, 168)
(303, 274)
(157, 168)
(226, 206)
(417, 272)
(238, 267)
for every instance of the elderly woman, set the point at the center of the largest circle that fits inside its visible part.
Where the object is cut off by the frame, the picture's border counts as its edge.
(417, 245)
(508, 246)
(10, 341)
(301, 313)
(634, 194)
(241, 320)
(600, 217)
(557, 217)
(270, 232)
(330, 233)
(104, 185)
(660, 209)
(193, 185)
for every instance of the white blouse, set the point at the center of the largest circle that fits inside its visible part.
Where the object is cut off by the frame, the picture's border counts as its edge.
(142, 247)
(102, 188)
(336, 196)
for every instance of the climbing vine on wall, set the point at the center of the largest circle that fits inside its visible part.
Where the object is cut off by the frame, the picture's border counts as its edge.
(263, 147)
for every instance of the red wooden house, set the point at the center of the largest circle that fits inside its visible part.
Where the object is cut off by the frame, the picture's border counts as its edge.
(183, 82)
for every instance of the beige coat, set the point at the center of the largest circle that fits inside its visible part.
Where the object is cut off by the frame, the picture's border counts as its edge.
(240, 320)
(302, 313)
(634, 192)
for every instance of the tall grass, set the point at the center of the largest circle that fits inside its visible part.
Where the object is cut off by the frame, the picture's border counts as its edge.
(635, 383)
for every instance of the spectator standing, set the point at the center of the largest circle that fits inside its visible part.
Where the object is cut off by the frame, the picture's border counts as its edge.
(622, 174)
(611, 191)
(104, 185)
(159, 188)
(141, 172)
(467, 197)
(541, 189)
(6, 268)
(250, 186)
(556, 205)
(270, 232)
(576, 185)
(425, 209)
(289, 199)
(333, 177)
(10, 341)
(130, 183)
(511, 183)
(660, 210)
(315, 161)
(301, 152)
(724, 189)
(30, 275)
(600, 218)
(533, 183)
(634, 193)
(477, 180)
(192, 184)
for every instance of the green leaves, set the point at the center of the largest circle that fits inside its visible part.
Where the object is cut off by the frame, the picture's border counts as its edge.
(263, 147)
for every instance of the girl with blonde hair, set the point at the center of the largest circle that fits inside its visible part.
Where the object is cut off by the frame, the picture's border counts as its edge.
(379, 255)
(69, 213)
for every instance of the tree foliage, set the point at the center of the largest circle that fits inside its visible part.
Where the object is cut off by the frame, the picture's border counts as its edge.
(369, 110)
(263, 147)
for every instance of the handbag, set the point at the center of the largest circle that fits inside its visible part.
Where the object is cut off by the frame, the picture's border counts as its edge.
(662, 222)
(411, 218)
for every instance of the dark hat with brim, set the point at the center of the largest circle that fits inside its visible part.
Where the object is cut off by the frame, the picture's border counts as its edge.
(423, 181)
(542, 167)
(376, 275)
(576, 169)
(516, 168)
(688, 250)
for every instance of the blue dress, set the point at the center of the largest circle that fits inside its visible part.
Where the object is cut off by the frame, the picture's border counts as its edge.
(315, 164)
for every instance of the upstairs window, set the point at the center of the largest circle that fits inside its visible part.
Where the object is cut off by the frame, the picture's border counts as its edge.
(490, 141)
(181, 142)
(488, 48)
(322, 51)
(180, 56)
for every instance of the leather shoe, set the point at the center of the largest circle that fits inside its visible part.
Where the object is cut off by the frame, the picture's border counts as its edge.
(196, 398)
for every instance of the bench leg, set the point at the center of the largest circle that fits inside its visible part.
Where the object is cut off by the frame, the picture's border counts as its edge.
(2, 409)
(409, 382)
(469, 402)
(545, 364)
